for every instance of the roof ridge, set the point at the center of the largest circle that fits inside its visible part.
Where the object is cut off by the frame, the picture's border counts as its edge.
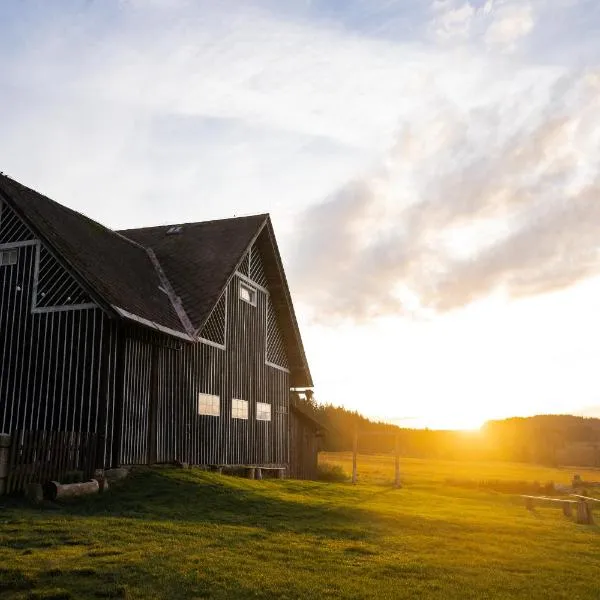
(75, 212)
(188, 224)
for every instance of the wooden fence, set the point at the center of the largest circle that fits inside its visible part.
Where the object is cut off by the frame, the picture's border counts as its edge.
(42, 456)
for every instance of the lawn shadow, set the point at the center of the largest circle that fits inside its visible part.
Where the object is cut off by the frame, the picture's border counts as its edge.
(175, 495)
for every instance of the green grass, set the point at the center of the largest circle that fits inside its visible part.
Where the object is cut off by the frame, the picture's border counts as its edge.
(171, 533)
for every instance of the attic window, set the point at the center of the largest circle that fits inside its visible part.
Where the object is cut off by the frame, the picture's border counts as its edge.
(8, 258)
(248, 293)
(175, 229)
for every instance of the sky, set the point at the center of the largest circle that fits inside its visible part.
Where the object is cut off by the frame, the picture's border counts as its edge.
(432, 169)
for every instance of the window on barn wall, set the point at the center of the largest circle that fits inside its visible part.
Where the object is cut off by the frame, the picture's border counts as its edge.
(209, 405)
(8, 258)
(239, 409)
(248, 293)
(263, 411)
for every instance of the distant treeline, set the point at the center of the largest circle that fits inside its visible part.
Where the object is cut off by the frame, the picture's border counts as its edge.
(545, 439)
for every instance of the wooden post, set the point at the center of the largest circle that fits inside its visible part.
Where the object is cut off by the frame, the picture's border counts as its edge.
(528, 503)
(250, 472)
(567, 510)
(584, 515)
(354, 454)
(397, 483)
(5, 443)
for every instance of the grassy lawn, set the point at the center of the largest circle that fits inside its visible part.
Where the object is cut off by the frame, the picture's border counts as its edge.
(171, 533)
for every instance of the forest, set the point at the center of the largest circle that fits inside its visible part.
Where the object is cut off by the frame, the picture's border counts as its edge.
(551, 440)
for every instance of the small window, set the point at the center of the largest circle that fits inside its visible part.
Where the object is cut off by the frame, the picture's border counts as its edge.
(239, 409)
(263, 411)
(209, 405)
(8, 258)
(248, 294)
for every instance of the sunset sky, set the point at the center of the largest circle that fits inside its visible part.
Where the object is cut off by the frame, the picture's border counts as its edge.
(432, 169)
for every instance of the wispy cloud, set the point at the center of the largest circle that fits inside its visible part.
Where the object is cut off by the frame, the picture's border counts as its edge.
(467, 202)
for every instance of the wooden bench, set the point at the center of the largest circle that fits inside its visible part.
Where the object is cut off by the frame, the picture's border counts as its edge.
(256, 472)
(251, 471)
(584, 513)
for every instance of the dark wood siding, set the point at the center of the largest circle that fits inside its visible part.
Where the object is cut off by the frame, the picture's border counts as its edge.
(238, 369)
(304, 447)
(57, 359)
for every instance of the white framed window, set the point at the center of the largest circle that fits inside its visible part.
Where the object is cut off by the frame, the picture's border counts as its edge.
(247, 293)
(263, 411)
(208, 404)
(239, 409)
(8, 258)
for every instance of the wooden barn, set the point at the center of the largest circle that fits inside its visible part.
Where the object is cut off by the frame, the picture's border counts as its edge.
(156, 345)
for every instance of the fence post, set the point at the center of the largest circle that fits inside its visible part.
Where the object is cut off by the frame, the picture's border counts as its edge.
(5, 442)
(354, 453)
(397, 469)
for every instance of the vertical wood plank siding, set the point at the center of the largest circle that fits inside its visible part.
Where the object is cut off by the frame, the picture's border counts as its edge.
(56, 365)
(239, 370)
(67, 366)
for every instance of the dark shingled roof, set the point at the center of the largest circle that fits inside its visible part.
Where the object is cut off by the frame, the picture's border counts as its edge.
(200, 259)
(125, 270)
(119, 271)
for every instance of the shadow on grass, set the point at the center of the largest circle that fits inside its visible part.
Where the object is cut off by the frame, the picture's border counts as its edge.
(165, 494)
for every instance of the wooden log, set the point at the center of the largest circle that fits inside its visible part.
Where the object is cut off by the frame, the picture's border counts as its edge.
(58, 491)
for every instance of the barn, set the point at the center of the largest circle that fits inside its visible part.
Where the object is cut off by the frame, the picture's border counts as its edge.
(156, 345)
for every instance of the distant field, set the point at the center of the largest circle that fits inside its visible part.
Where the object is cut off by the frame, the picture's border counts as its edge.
(169, 533)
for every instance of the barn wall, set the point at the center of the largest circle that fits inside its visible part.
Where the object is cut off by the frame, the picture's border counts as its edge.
(163, 381)
(57, 349)
(304, 448)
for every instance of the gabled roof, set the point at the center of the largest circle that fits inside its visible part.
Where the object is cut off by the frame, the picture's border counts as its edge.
(199, 260)
(115, 270)
(144, 274)
(211, 252)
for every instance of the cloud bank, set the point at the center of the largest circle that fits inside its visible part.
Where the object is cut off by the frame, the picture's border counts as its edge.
(466, 203)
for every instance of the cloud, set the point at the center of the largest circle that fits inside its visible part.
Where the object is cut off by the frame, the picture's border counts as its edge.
(511, 22)
(494, 203)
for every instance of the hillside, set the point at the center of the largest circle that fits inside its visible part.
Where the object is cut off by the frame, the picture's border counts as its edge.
(179, 534)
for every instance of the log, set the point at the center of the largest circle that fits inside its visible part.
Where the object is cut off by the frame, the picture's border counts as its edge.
(58, 491)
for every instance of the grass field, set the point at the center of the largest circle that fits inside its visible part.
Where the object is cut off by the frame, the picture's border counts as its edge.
(171, 533)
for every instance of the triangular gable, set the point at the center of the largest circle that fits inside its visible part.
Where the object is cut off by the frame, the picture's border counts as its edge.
(199, 259)
(117, 271)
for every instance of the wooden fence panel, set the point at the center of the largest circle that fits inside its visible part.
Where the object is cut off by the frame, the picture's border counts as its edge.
(42, 456)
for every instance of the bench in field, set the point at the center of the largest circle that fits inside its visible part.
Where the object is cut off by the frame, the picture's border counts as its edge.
(584, 512)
